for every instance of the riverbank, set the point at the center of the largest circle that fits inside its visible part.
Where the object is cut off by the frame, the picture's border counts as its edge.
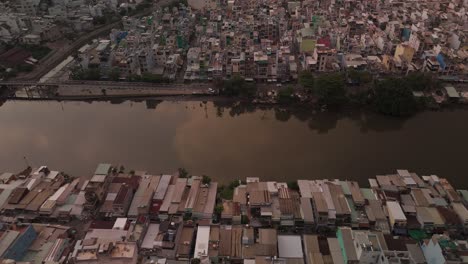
(267, 95)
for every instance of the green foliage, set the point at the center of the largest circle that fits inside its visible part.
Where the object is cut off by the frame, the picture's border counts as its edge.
(360, 98)
(114, 74)
(227, 192)
(237, 86)
(306, 79)
(134, 78)
(330, 89)
(206, 180)
(90, 74)
(244, 220)
(219, 209)
(286, 95)
(38, 52)
(234, 184)
(419, 81)
(361, 77)
(183, 173)
(153, 78)
(176, 3)
(293, 185)
(393, 96)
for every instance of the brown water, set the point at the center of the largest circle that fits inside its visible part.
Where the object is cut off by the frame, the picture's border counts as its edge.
(228, 142)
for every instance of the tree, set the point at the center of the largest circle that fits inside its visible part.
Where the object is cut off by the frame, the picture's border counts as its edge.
(234, 184)
(183, 173)
(134, 77)
(219, 209)
(206, 180)
(419, 81)
(123, 12)
(99, 20)
(237, 86)
(360, 77)
(114, 74)
(293, 185)
(392, 96)
(77, 73)
(286, 95)
(330, 89)
(306, 79)
(93, 74)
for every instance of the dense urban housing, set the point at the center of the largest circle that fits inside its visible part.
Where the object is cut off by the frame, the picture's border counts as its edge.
(115, 216)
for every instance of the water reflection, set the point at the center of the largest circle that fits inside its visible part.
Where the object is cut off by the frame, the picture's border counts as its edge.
(322, 122)
(229, 140)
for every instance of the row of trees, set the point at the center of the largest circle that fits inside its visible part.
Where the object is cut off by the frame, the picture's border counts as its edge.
(90, 74)
(237, 86)
(390, 96)
(329, 88)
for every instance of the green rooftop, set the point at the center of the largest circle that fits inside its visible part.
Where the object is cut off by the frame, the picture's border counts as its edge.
(345, 187)
(418, 234)
(368, 194)
(103, 169)
(307, 45)
(464, 194)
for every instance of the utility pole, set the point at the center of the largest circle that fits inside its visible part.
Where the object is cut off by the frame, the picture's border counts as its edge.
(26, 161)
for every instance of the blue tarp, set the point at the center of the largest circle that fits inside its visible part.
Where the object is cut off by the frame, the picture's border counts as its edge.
(121, 35)
(406, 34)
(441, 61)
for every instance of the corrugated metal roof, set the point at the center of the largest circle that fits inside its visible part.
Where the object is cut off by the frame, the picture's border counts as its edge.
(211, 199)
(307, 211)
(395, 210)
(143, 194)
(345, 187)
(461, 211)
(7, 239)
(240, 195)
(335, 250)
(162, 187)
(185, 242)
(290, 246)
(171, 191)
(201, 244)
(193, 193)
(225, 234)
(368, 194)
(179, 190)
(151, 234)
(304, 188)
(464, 194)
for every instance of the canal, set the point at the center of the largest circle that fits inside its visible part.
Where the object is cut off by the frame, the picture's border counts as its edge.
(227, 141)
